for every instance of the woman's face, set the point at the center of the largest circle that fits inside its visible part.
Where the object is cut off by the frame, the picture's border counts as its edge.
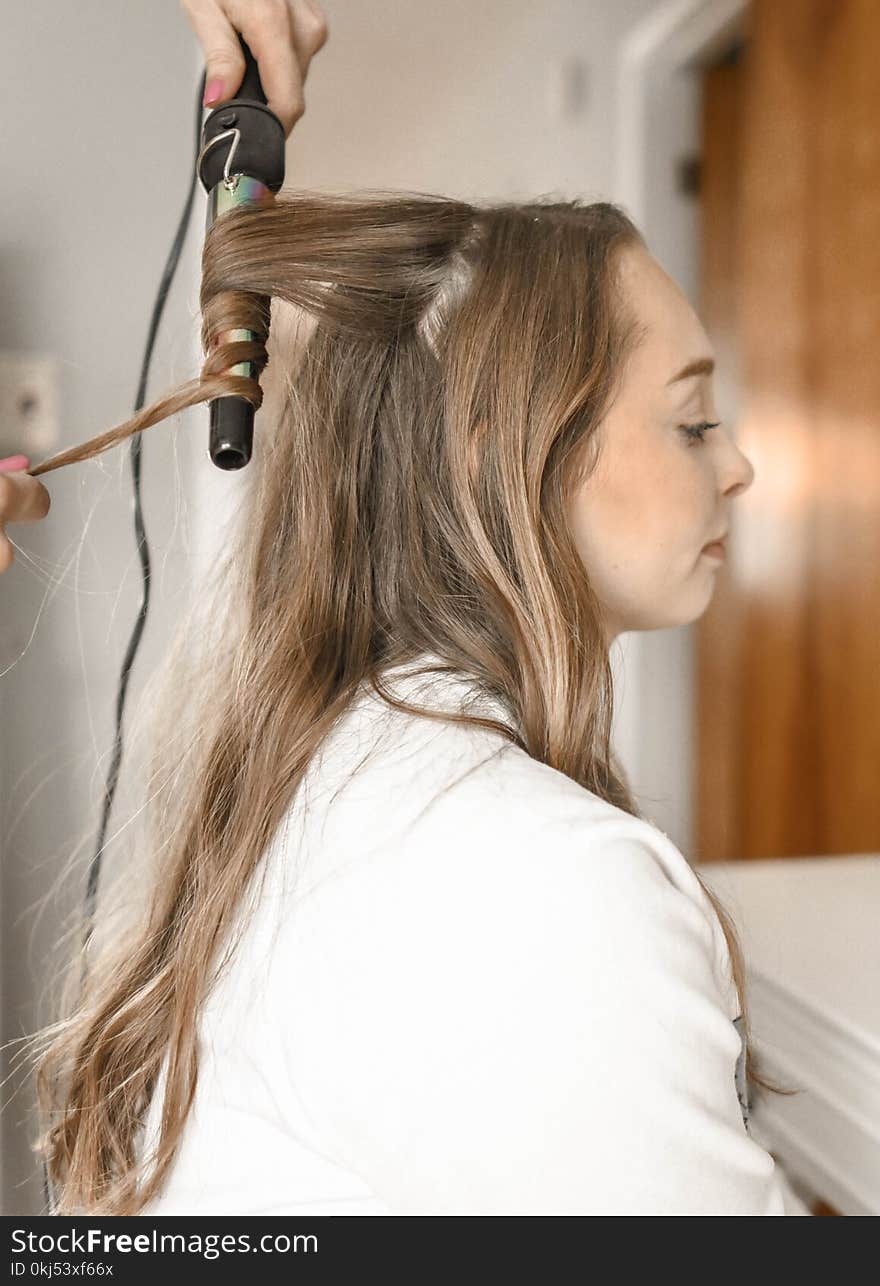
(656, 496)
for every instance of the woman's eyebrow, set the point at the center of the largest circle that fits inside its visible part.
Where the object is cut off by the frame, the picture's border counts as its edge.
(699, 366)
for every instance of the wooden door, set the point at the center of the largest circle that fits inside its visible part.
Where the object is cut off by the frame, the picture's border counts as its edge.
(788, 653)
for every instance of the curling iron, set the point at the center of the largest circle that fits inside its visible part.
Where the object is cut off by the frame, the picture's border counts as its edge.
(241, 162)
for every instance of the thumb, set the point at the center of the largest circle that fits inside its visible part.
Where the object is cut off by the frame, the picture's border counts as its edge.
(223, 76)
(224, 61)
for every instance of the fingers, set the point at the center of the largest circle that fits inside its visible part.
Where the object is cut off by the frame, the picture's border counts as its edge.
(267, 28)
(22, 499)
(310, 31)
(224, 60)
(283, 36)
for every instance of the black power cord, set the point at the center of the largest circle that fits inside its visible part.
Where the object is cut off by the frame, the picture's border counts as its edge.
(144, 554)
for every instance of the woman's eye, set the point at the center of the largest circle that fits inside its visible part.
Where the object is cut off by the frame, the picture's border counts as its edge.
(696, 432)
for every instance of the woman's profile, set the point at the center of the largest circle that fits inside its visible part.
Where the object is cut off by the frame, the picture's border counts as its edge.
(404, 942)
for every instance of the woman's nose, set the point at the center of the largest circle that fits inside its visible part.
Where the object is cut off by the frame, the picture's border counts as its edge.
(741, 472)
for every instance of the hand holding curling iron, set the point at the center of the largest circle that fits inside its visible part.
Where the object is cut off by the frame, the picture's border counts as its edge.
(282, 35)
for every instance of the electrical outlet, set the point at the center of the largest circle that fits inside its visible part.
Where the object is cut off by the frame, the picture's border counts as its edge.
(28, 404)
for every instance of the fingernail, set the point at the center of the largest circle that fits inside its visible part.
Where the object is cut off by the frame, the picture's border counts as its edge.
(213, 92)
(12, 463)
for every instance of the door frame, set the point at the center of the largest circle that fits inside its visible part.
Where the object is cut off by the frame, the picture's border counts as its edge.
(676, 37)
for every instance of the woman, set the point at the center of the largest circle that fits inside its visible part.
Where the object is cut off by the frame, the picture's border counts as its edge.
(406, 944)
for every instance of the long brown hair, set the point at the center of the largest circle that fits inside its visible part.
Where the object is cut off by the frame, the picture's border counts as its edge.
(440, 376)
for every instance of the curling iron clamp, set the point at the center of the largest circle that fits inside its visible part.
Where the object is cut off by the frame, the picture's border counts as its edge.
(241, 162)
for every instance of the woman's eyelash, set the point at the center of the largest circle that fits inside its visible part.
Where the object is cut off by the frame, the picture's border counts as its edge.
(697, 432)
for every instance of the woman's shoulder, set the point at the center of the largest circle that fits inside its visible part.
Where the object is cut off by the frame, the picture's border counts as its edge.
(441, 800)
(501, 938)
(430, 771)
(518, 817)
(485, 783)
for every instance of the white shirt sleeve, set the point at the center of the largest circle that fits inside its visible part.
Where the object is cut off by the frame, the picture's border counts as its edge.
(536, 1027)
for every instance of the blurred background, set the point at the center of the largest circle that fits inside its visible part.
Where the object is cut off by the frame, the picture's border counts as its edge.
(743, 139)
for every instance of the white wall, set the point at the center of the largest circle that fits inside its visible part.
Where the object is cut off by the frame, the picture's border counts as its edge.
(98, 104)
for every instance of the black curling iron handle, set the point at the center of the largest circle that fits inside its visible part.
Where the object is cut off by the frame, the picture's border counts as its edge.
(251, 86)
(259, 155)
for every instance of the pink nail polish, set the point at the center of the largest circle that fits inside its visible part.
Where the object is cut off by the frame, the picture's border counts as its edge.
(213, 92)
(13, 463)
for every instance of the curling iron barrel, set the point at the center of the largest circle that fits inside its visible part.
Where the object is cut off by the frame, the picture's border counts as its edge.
(241, 162)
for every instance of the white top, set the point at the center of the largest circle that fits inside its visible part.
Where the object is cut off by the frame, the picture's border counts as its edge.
(469, 986)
